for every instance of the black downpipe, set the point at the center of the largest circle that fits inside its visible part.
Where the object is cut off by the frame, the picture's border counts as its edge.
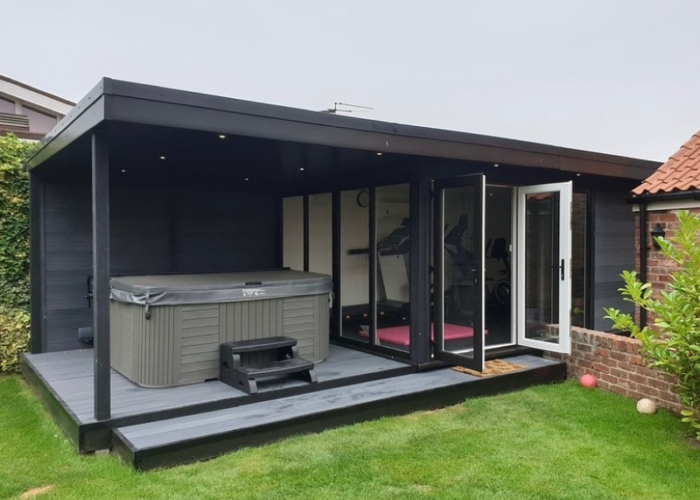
(643, 256)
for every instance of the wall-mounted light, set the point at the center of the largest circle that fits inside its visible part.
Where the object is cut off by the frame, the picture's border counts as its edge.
(657, 232)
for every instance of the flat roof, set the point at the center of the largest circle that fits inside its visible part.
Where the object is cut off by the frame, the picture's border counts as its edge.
(133, 103)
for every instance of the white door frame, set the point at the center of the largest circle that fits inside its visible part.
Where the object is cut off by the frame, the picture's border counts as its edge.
(565, 190)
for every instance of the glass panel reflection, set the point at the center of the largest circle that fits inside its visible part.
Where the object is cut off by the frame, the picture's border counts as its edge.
(542, 265)
(459, 270)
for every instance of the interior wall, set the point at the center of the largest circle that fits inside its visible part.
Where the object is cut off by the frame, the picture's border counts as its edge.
(613, 227)
(152, 231)
(392, 208)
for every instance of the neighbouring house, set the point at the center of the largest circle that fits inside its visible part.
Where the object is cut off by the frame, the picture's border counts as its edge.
(27, 112)
(180, 232)
(674, 186)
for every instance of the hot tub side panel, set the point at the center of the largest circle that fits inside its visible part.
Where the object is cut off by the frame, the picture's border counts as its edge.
(180, 344)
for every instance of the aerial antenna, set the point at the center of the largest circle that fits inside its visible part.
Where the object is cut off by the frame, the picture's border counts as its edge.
(335, 109)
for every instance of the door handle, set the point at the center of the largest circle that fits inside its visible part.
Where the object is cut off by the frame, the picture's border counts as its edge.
(561, 267)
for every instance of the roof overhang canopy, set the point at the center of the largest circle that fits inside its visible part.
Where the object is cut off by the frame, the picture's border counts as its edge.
(214, 136)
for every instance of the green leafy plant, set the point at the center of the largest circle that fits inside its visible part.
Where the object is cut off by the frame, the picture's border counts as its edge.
(14, 221)
(673, 343)
(14, 251)
(14, 337)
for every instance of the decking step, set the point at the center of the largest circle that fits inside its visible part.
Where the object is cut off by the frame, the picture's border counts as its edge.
(195, 437)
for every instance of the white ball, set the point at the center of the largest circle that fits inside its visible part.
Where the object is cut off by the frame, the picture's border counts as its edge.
(646, 406)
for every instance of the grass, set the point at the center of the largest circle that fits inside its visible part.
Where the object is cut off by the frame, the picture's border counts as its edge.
(548, 442)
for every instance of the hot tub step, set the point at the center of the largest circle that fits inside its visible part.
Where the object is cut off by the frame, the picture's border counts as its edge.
(244, 377)
(234, 373)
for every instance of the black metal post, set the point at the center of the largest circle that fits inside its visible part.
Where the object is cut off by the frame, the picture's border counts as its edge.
(36, 262)
(100, 273)
(419, 280)
(372, 266)
(306, 233)
(337, 316)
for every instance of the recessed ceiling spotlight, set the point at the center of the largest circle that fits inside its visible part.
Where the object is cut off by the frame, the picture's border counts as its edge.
(578, 174)
(222, 136)
(162, 157)
(379, 153)
(496, 165)
(123, 171)
(301, 169)
(247, 178)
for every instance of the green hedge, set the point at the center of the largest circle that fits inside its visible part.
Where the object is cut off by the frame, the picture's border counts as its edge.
(14, 250)
(14, 337)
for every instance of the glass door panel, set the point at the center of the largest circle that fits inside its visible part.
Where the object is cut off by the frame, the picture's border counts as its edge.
(544, 261)
(459, 271)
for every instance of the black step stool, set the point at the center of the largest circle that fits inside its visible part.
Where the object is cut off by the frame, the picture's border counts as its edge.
(287, 362)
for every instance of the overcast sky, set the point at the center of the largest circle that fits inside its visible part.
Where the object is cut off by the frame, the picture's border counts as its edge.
(614, 76)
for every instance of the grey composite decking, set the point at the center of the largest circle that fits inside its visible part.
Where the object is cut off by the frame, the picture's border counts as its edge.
(200, 436)
(70, 375)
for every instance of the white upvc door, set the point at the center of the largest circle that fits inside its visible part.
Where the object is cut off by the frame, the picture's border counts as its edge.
(544, 266)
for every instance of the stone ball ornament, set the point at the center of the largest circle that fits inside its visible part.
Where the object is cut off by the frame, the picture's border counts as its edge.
(646, 406)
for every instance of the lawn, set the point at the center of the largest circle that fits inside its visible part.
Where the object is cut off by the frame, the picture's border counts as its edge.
(548, 442)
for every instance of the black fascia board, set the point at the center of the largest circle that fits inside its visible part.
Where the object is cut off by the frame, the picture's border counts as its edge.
(146, 104)
(84, 116)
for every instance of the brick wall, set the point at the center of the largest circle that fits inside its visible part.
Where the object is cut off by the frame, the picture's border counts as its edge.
(658, 267)
(617, 365)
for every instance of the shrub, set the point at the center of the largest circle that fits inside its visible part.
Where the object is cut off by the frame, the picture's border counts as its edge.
(14, 337)
(14, 221)
(14, 251)
(673, 344)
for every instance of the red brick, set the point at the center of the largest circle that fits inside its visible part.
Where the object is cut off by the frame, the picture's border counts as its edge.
(619, 356)
(619, 373)
(600, 367)
(640, 379)
(636, 360)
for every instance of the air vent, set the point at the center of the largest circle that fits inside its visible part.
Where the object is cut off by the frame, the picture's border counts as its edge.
(10, 120)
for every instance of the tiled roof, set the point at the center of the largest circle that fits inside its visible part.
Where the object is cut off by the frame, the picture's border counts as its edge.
(680, 173)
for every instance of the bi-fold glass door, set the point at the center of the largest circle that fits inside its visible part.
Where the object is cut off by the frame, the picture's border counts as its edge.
(458, 280)
(543, 246)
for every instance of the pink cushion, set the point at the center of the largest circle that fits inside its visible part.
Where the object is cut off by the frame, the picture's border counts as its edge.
(401, 335)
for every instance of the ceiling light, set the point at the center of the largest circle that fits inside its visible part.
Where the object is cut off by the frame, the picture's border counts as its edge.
(578, 174)
(496, 165)
(301, 169)
(380, 154)
(247, 178)
(222, 136)
(123, 171)
(162, 157)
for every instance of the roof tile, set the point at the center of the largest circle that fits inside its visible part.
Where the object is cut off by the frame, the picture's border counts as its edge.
(680, 173)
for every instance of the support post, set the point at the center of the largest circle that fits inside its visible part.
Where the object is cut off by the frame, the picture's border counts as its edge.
(419, 280)
(306, 236)
(337, 316)
(100, 273)
(373, 312)
(36, 263)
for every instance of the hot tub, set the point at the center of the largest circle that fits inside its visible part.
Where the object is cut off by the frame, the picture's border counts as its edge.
(166, 329)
